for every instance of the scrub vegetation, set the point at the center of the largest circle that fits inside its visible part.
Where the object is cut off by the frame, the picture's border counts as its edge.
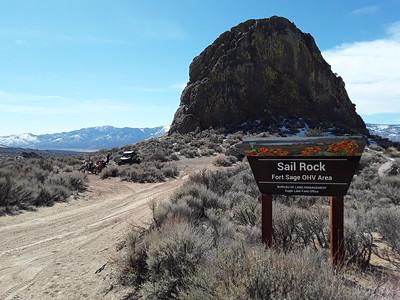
(157, 156)
(204, 242)
(29, 182)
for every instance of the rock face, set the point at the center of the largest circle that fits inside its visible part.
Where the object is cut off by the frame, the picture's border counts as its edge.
(263, 71)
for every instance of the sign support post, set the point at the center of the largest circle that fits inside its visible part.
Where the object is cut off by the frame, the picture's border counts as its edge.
(336, 229)
(266, 219)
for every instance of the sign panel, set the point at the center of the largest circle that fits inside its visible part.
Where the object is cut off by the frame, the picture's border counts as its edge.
(322, 166)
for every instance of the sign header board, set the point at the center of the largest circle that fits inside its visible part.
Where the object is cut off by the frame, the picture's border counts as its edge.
(315, 166)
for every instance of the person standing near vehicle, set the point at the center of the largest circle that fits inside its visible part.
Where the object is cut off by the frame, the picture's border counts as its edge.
(90, 166)
(108, 158)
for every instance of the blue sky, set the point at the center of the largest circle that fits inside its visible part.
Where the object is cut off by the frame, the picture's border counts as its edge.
(70, 64)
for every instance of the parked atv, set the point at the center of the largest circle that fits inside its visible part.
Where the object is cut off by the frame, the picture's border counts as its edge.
(129, 157)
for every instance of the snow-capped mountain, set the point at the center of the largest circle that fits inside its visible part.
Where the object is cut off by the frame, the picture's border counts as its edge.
(392, 132)
(85, 139)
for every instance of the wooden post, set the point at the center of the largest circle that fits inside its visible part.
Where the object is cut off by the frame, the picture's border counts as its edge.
(336, 228)
(266, 219)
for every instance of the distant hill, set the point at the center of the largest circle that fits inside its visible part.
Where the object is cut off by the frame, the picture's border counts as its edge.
(26, 152)
(86, 139)
(391, 132)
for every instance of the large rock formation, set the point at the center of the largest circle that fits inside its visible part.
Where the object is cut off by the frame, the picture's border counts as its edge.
(263, 71)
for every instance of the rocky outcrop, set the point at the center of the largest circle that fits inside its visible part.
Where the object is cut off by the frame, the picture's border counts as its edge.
(263, 71)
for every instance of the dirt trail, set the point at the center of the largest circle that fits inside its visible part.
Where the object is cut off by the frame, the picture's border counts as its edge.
(54, 252)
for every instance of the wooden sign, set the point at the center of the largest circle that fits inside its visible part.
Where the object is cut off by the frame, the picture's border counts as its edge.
(315, 166)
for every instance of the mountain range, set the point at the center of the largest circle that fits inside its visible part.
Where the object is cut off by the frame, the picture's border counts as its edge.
(106, 137)
(85, 139)
(392, 132)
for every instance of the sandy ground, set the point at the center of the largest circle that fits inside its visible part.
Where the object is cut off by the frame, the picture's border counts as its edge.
(54, 252)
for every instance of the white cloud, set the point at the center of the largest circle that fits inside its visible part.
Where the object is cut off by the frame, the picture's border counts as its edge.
(366, 10)
(370, 70)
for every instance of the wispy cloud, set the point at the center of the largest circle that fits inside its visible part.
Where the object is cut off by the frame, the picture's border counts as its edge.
(370, 70)
(393, 30)
(20, 103)
(178, 86)
(25, 36)
(156, 29)
(366, 10)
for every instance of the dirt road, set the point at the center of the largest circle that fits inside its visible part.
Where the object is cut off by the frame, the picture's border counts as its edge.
(54, 252)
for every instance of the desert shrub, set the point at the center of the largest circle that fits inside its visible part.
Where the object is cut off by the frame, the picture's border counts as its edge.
(36, 182)
(166, 257)
(244, 182)
(224, 205)
(237, 272)
(224, 161)
(155, 171)
(216, 147)
(367, 188)
(300, 201)
(369, 158)
(388, 188)
(178, 210)
(44, 197)
(393, 181)
(135, 271)
(59, 192)
(112, 171)
(67, 169)
(358, 241)
(387, 222)
(189, 153)
(75, 181)
(143, 174)
(218, 181)
(14, 195)
(173, 156)
(206, 152)
(170, 170)
(298, 228)
(159, 155)
(202, 198)
(317, 131)
(392, 152)
(246, 211)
